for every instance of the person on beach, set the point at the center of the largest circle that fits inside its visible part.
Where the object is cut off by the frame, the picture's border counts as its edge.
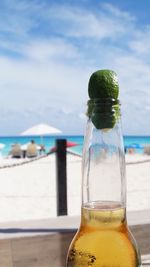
(32, 150)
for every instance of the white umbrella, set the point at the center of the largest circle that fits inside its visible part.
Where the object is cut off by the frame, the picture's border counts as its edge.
(41, 130)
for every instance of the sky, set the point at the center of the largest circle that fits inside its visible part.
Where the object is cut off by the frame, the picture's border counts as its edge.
(48, 50)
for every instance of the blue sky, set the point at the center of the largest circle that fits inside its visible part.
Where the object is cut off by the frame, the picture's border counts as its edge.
(48, 50)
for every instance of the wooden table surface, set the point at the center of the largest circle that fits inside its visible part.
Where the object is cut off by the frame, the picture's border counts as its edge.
(45, 244)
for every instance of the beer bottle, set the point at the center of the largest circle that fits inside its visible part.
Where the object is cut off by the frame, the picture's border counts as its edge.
(104, 238)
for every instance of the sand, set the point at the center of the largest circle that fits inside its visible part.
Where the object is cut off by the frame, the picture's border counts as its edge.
(28, 191)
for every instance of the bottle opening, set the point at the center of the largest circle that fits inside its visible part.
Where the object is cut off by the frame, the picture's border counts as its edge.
(104, 112)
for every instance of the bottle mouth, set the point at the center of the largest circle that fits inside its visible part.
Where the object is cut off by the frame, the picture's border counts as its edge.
(102, 105)
(105, 101)
(104, 112)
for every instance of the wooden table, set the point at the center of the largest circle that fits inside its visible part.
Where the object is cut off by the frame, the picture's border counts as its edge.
(44, 243)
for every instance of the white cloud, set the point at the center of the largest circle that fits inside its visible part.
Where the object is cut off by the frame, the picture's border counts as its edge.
(50, 49)
(28, 78)
(114, 11)
(141, 42)
(135, 94)
(26, 17)
(81, 23)
(15, 24)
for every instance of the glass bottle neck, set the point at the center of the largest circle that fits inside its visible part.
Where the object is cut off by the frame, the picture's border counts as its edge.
(103, 167)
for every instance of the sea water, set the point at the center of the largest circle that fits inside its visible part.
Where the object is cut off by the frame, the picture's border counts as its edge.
(49, 142)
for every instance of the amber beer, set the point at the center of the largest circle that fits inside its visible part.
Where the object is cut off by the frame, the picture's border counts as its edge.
(103, 239)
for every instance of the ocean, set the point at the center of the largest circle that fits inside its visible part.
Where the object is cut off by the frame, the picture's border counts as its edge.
(49, 142)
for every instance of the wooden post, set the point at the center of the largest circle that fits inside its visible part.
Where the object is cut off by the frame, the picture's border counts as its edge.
(61, 176)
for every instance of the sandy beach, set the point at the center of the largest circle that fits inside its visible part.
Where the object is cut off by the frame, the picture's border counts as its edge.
(28, 191)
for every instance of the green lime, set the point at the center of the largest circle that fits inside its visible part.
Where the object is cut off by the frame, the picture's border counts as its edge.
(103, 84)
(102, 122)
(103, 106)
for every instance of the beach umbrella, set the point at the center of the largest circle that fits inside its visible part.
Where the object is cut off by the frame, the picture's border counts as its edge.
(68, 144)
(71, 144)
(134, 145)
(41, 130)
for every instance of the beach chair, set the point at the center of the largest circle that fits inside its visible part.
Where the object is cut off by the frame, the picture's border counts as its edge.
(16, 151)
